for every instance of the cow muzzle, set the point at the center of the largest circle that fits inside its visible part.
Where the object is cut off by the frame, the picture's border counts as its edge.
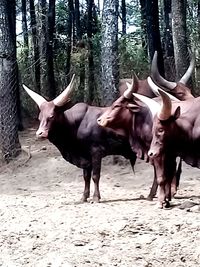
(41, 134)
(102, 122)
(153, 153)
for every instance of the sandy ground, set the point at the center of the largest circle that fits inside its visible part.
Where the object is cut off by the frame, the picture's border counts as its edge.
(43, 224)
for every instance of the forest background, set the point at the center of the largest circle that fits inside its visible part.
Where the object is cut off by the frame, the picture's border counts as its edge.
(43, 43)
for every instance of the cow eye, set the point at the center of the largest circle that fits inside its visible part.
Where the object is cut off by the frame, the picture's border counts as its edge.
(51, 117)
(160, 130)
(180, 94)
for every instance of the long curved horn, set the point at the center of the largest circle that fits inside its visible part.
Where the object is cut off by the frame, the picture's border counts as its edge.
(133, 87)
(189, 71)
(156, 75)
(155, 89)
(166, 109)
(151, 104)
(62, 98)
(39, 100)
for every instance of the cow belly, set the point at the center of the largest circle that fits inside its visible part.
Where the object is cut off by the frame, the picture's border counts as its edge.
(77, 160)
(193, 161)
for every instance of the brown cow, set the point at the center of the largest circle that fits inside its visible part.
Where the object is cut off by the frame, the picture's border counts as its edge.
(176, 132)
(179, 89)
(134, 122)
(140, 86)
(78, 137)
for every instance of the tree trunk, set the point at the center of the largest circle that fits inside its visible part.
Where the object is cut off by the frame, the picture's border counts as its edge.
(123, 17)
(43, 50)
(197, 76)
(91, 80)
(36, 53)
(81, 46)
(24, 24)
(144, 26)
(180, 37)
(168, 42)
(50, 51)
(9, 141)
(69, 38)
(153, 32)
(77, 21)
(109, 52)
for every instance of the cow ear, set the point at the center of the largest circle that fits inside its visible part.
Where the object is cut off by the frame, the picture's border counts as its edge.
(133, 108)
(177, 113)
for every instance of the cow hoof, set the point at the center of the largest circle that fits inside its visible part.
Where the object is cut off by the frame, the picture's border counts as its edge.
(167, 204)
(159, 205)
(150, 198)
(94, 200)
(83, 199)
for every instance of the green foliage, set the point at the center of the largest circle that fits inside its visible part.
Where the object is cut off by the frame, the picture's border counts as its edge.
(132, 56)
(133, 13)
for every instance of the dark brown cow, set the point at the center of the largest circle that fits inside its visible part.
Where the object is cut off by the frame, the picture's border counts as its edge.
(79, 138)
(140, 86)
(176, 132)
(134, 122)
(178, 89)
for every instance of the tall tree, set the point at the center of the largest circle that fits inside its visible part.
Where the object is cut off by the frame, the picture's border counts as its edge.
(123, 7)
(43, 49)
(69, 37)
(144, 25)
(81, 46)
(90, 26)
(24, 24)
(50, 50)
(36, 53)
(9, 142)
(153, 32)
(197, 89)
(180, 37)
(168, 41)
(109, 51)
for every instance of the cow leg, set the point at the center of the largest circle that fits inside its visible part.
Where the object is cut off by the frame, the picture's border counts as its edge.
(96, 177)
(154, 187)
(174, 186)
(132, 162)
(170, 173)
(168, 195)
(161, 180)
(87, 178)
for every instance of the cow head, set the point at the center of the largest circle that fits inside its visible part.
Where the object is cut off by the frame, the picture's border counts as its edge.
(49, 110)
(163, 122)
(118, 112)
(178, 89)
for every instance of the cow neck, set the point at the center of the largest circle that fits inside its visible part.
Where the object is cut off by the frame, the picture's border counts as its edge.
(141, 132)
(60, 129)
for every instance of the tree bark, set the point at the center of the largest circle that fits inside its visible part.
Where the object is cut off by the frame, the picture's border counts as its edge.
(91, 80)
(9, 141)
(153, 32)
(168, 42)
(109, 52)
(77, 21)
(123, 17)
(43, 50)
(24, 24)
(50, 50)
(69, 38)
(36, 53)
(144, 26)
(81, 48)
(180, 37)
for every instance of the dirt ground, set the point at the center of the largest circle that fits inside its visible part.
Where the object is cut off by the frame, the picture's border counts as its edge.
(43, 224)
